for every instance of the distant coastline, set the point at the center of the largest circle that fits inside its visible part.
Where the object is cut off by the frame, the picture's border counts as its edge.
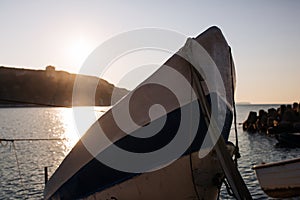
(243, 103)
(41, 88)
(259, 104)
(3, 105)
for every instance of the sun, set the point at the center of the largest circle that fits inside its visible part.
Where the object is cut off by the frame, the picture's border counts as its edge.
(79, 50)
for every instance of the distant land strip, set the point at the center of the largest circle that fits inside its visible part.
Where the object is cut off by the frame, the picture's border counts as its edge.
(26, 87)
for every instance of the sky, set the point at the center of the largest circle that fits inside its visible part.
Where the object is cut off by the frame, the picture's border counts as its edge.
(263, 35)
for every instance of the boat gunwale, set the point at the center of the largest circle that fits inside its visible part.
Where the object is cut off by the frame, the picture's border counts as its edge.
(273, 164)
(288, 192)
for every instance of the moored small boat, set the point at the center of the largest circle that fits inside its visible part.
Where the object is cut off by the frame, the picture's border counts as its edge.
(289, 139)
(280, 179)
(92, 169)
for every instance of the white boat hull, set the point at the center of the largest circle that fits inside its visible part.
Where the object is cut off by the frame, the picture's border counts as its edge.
(83, 175)
(186, 179)
(280, 179)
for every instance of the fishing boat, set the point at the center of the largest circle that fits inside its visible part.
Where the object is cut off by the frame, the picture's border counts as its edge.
(280, 179)
(289, 139)
(185, 159)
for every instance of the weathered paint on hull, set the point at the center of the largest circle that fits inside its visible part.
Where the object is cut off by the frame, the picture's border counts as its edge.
(179, 181)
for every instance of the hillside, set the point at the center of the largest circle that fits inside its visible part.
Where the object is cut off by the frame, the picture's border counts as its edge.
(54, 88)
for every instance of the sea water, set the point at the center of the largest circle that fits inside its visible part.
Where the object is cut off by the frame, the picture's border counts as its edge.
(22, 162)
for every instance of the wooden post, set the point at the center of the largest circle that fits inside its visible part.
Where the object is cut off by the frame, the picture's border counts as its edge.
(46, 174)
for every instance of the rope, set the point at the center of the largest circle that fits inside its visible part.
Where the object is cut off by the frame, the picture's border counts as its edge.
(190, 157)
(29, 139)
(18, 164)
(237, 150)
(219, 191)
(229, 191)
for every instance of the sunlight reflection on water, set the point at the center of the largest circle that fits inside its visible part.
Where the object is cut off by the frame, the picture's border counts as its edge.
(33, 156)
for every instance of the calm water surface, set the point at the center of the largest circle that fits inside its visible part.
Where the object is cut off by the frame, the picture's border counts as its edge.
(58, 123)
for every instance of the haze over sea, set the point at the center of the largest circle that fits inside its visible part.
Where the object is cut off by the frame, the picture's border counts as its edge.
(57, 123)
